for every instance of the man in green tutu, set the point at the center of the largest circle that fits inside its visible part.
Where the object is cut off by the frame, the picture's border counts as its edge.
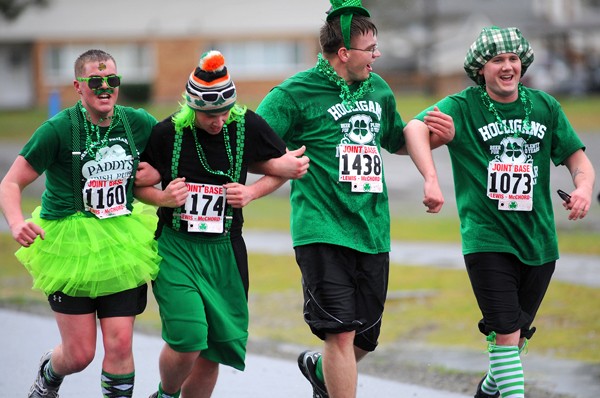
(86, 247)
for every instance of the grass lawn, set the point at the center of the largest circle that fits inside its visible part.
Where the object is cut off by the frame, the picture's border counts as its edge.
(582, 112)
(425, 305)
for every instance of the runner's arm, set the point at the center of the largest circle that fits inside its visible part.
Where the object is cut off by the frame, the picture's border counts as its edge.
(239, 195)
(19, 176)
(419, 150)
(174, 195)
(582, 172)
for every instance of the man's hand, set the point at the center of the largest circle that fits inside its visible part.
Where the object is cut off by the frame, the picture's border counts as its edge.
(146, 175)
(238, 195)
(442, 127)
(579, 203)
(291, 165)
(433, 199)
(298, 162)
(26, 232)
(175, 194)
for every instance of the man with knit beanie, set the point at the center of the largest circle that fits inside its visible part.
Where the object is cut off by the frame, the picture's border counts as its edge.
(345, 114)
(506, 137)
(203, 153)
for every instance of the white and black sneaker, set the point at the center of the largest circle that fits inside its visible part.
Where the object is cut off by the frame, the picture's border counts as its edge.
(41, 388)
(307, 362)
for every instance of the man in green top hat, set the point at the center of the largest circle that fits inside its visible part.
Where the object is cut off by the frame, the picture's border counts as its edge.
(345, 114)
(506, 137)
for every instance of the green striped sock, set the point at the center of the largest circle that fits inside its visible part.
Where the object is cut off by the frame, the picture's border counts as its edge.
(489, 385)
(117, 386)
(507, 371)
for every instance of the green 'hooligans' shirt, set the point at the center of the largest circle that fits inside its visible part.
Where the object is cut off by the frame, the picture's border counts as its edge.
(502, 178)
(343, 199)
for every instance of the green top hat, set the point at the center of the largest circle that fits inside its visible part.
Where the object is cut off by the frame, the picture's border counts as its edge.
(339, 7)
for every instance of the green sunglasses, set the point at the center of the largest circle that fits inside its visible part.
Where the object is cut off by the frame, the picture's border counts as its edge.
(95, 82)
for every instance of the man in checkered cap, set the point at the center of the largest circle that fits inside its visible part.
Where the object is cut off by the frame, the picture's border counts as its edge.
(507, 135)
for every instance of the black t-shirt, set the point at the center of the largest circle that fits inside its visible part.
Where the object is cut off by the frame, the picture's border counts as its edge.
(260, 143)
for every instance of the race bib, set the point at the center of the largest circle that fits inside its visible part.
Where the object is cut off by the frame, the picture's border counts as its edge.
(204, 209)
(511, 185)
(106, 198)
(361, 166)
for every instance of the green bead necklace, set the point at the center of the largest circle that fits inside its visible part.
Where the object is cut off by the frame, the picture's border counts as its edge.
(348, 98)
(233, 172)
(204, 161)
(525, 100)
(92, 147)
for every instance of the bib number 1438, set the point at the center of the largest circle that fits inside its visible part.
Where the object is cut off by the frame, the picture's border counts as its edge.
(361, 165)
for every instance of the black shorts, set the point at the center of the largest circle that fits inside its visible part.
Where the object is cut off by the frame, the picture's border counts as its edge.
(508, 292)
(344, 290)
(127, 303)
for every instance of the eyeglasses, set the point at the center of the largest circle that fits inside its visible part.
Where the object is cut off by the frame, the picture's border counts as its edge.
(369, 50)
(213, 96)
(95, 82)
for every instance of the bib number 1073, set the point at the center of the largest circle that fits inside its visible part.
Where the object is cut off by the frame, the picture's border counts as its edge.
(512, 185)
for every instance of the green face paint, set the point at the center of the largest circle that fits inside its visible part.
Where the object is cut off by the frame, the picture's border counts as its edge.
(102, 91)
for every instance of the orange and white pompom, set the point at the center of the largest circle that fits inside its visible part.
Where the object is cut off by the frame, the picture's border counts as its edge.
(212, 61)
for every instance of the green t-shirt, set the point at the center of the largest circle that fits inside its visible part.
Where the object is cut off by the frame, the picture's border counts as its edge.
(307, 110)
(50, 148)
(495, 169)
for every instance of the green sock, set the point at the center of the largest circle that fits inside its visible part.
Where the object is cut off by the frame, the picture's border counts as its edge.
(117, 386)
(319, 369)
(51, 376)
(507, 371)
(489, 385)
(162, 394)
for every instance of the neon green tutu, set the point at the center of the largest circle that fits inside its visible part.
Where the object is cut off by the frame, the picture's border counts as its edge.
(89, 257)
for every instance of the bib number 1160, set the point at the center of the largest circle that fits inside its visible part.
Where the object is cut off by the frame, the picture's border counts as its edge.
(101, 198)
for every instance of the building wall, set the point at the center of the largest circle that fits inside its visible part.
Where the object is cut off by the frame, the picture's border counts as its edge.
(175, 60)
(172, 61)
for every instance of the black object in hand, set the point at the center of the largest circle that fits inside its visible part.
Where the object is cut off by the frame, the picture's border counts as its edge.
(564, 196)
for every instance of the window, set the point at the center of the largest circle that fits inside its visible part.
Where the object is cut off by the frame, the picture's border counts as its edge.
(135, 62)
(264, 59)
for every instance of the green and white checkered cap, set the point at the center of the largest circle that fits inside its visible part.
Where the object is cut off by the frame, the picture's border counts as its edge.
(493, 41)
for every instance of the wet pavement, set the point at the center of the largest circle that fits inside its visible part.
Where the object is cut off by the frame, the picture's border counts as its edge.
(25, 337)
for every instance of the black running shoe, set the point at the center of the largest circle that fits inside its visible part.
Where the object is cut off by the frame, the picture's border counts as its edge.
(307, 362)
(481, 394)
